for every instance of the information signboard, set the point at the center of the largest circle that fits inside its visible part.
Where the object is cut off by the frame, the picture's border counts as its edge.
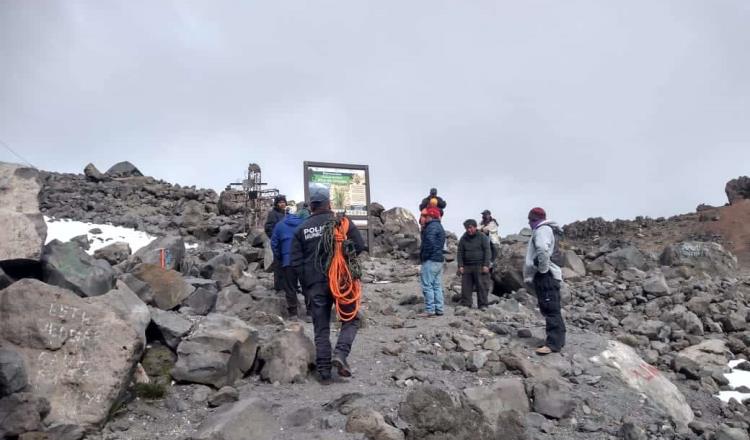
(349, 187)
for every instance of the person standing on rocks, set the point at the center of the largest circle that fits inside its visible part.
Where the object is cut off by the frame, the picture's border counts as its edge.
(275, 215)
(431, 256)
(545, 276)
(306, 257)
(433, 200)
(281, 243)
(474, 265)
(489, 227)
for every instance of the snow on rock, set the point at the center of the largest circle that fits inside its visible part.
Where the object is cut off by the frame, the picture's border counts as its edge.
(64, 230)
(736, 379)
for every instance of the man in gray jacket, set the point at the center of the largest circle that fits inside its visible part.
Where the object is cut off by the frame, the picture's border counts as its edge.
(545, 277)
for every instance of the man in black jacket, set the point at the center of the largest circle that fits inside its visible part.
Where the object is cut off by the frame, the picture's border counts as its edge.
(439, 202)
(276, 215)
(474, 265)
(310, 267)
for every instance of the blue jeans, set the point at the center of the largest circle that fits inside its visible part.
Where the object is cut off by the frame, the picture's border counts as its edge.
(432, 286)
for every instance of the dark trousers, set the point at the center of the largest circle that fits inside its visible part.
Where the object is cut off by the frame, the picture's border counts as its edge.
(548, 295)
(278, 274)
(474, 279)
(322, 302)
(289, 283)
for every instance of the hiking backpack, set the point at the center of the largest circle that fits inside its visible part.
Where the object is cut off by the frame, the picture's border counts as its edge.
(556, 256)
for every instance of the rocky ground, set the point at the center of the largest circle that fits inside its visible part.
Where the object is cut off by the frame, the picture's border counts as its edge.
(113, 346)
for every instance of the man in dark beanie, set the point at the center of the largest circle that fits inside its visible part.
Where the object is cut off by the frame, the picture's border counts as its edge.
(473, 258)
(433, 200)
(276, 215)
(545, 276)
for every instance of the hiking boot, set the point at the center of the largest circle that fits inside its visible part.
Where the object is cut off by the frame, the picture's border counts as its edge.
(425, 315)
(438, 314)
(542, 351)
(324, 378)
(343, 368)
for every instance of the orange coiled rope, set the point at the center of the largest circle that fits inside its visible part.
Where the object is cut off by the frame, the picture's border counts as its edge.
(346, 290)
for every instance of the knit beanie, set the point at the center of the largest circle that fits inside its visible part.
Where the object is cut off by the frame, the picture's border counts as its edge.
(537, 214)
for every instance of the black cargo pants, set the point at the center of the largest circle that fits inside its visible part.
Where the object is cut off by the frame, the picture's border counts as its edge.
(289, 282)
(322, 303)
(474, 279)
(548, 295)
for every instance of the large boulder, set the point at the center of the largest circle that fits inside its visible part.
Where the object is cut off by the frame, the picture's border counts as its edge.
(171, 326)
(68, 266)
(13, 376)
(24, 230)
(372, 424)
(202, 300)
(627, 258)
(94, 175)
(219, 351)
(574, 264)
(167, 287)
(738, 189)
(508, 272)
(503, 395)
(173, 246)
(114, 253)
(709, 257)
(249, 418)
(711, 354)
(123, 169)
(288, 356)
(193, 214)
(224, 268)
(79, 354)
(21, 413)
(232, 201)
(656, 284)
(129, 307)
(396, 231)
(625, 363)
(551, 399)
(437, 413)
(5, 279)
(233, 301)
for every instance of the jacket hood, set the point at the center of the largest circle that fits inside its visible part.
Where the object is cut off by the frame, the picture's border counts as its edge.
(292, 220)
(551, 223)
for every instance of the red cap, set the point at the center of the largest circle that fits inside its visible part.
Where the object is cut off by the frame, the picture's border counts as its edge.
(537, 214)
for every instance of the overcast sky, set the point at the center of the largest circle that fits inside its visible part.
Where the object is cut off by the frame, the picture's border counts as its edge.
(587, 108)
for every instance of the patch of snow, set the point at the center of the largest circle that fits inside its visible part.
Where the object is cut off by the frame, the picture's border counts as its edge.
(190, 246)
(64, 230)
(736, 379)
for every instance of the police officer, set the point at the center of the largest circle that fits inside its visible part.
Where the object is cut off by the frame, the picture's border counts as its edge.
(310, 266)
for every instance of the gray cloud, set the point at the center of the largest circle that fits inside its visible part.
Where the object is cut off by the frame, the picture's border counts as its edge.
(586, 108)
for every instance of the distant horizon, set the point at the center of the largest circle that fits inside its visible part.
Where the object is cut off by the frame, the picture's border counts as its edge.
(374, 200)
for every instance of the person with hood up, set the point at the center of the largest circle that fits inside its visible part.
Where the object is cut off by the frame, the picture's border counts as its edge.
(473, 259)
(545, 276)
(433, 200)
(431, 256)
(275, 215)
(281, 244)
